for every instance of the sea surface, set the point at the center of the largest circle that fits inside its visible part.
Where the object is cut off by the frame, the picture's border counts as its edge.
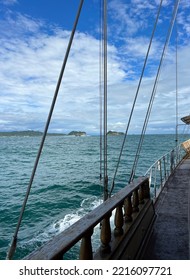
(67, 183)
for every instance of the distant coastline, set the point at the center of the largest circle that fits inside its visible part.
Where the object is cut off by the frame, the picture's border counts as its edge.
(39, 133)
(28, 133)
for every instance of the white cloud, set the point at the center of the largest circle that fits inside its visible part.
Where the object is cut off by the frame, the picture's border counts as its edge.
(30, 66)
(30, 62)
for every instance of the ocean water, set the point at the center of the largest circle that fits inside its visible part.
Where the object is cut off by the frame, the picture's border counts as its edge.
(66, 185)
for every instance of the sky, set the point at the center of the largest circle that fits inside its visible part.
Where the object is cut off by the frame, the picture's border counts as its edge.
(33, 39)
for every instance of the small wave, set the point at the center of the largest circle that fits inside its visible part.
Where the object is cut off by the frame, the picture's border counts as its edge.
(60, 225)
(86, 206)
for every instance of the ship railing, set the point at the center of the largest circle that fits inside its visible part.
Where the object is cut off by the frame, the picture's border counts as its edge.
(127, 205)
(160, 171)
(133, 211)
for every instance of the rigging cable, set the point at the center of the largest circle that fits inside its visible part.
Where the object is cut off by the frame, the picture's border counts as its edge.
(176, 83)
(100, 85)
(136, 95)
(154, 91)
(105, 100)
(14, 239)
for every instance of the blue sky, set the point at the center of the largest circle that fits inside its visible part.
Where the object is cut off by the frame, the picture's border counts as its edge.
(33, 39)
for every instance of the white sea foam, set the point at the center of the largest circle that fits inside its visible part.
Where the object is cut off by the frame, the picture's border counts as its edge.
(60, 225)
(86, 206)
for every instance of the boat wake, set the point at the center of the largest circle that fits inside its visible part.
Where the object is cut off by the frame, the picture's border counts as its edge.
(60, 225)
(86, 206)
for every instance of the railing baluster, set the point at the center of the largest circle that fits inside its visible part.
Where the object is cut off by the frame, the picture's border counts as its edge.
(86, 246)
(150, 177)
(165, 177)
(135, 201)
(119, 220)
(128, 209)
(161, 179)
(167, 166)
(146, 189)
(141, 195)
(105, 235)
(155, 175)
(172, 164)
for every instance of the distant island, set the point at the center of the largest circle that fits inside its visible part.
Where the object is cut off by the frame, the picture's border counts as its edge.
(21, 133)
(77, 133)
(39, 133)
(114, 133)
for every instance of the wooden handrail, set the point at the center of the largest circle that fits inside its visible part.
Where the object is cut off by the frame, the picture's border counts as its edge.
(60, 244)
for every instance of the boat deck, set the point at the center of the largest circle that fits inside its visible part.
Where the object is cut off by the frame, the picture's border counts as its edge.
(170, 239)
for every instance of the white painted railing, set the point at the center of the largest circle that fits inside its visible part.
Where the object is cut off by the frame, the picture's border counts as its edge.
(160, 171)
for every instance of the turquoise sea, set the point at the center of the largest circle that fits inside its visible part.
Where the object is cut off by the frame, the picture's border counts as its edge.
(66, 185)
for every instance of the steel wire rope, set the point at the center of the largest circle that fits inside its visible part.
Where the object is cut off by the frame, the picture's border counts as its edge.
(13, 244)
(105, 100)
(154, 91)
(136, 95)
(100, 85)
(176, 70)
